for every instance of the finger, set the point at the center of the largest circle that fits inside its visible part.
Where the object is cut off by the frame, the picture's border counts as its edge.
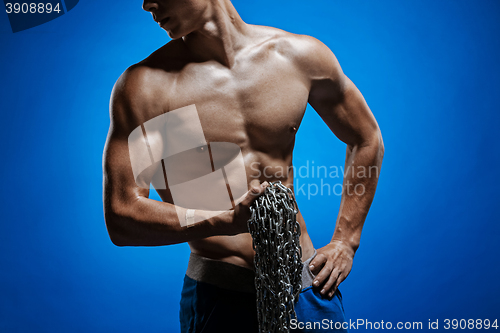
(318, 262)
(340, 279)
(254, 192)
(255, 187)
(323, 275)
(332, 280)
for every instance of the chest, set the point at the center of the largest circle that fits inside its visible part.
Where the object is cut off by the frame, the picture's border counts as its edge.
(255, 103)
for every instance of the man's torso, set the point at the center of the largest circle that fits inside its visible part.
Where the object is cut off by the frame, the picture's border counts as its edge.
(257, 104)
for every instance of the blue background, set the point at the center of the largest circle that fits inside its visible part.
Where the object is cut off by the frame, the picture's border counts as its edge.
(430, 73)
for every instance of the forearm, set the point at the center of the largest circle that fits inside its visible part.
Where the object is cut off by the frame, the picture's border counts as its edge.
(362, 168)
(146, 222)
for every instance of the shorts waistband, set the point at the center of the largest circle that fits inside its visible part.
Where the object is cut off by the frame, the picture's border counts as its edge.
(221, 274)
(307, 275)
(233, 277)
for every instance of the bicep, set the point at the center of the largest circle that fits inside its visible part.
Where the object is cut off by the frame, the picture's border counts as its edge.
(127, 171)
(333, 95)
(343, 108)
(120, 187)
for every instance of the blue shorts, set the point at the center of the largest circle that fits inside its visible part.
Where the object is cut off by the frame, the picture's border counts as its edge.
(220, 297)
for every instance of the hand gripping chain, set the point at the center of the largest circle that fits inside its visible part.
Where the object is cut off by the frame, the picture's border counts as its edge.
(278, 257)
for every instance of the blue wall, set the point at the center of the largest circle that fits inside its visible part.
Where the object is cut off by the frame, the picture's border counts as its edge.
(430, 73)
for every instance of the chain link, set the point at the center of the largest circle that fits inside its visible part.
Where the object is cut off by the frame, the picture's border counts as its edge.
(278, 257)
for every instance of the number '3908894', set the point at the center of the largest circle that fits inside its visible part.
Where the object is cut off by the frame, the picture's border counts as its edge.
(32, 8)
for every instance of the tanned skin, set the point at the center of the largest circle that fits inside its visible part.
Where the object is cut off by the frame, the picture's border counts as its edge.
(251, 85)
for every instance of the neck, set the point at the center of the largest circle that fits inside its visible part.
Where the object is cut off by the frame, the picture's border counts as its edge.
(220, 36)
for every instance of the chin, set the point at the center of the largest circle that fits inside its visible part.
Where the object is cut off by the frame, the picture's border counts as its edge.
(172, 36)
(175, 34)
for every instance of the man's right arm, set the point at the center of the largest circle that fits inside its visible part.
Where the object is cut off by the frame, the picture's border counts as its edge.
(132, 219)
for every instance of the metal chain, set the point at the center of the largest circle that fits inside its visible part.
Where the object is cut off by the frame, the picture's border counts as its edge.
(278, 257)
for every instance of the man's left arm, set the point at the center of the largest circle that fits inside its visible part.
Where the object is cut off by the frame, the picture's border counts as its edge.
(342, 107)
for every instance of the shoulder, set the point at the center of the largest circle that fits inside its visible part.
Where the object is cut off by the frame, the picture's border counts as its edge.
(131, 94)
(143, 88)
(136, 82)
(309, 54)
(143, 79)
